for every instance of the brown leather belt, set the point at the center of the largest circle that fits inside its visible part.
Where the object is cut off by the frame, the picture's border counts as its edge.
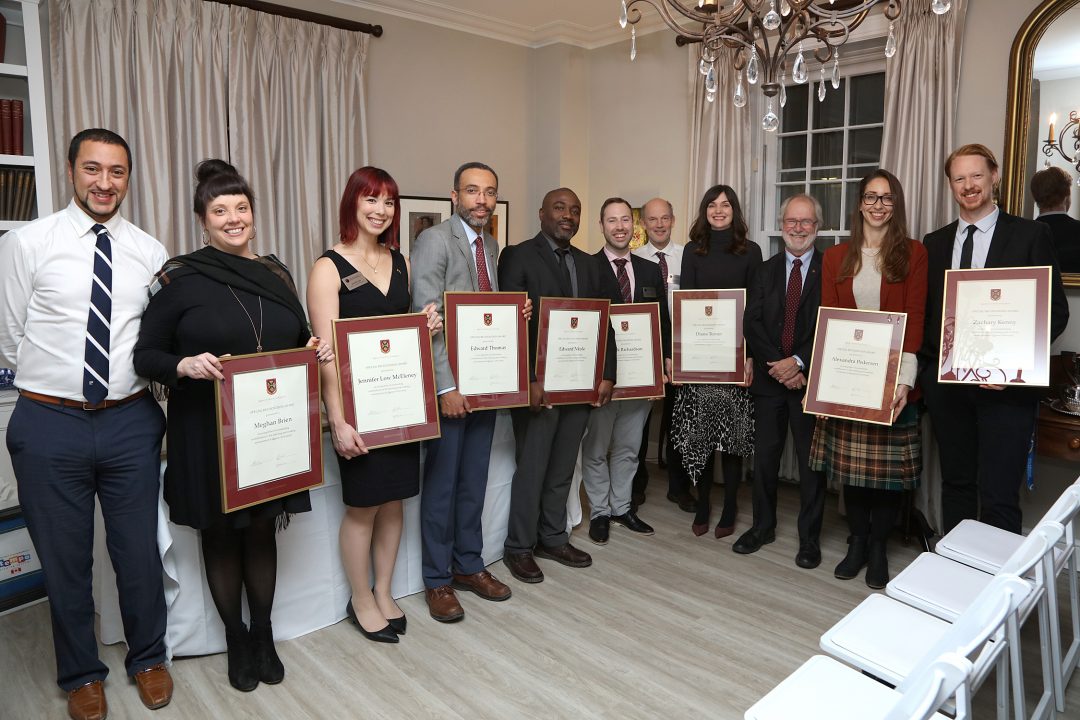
(79, 404)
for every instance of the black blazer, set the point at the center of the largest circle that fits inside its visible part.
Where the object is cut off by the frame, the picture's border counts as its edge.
(532, 267)
(763, 321)
(1066, 232)
(648, 287)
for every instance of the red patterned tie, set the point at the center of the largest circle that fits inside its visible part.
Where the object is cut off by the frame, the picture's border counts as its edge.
(791, 307)
(482, 280)
(624, 280)
(662, 262)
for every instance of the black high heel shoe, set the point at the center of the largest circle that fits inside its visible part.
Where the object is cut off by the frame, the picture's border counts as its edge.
(386, 634)
(397, 624)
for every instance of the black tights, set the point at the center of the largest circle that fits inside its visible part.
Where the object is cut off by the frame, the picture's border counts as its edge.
(872, 512)
(731, 469)
(236, 559)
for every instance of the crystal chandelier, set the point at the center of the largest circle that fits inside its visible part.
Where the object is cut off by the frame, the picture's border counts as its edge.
(762, 33)
(1051, 144)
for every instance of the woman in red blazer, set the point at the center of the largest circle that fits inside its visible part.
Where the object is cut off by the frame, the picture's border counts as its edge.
(880, 268)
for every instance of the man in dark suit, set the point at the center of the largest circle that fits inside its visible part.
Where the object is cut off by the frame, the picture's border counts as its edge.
(547, 438)
(609, 452)
(779, 323)
(984, 433)
(1052, 190)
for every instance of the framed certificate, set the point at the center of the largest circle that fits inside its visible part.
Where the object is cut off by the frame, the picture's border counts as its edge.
(637, 339)
(855, 365)
(386, 373)
(995, 327)
(269, 434)
(570, 348)
(487, 344)
(707, 344)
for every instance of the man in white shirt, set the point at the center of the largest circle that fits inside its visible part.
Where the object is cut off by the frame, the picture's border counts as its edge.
(659, 219)
(74, 288)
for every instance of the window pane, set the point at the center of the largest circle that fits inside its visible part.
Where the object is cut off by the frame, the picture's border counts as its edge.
(868, 99)
(827, 149)
(833, 173)
(864, 146)
(829, 113)
(828, 195)
(851, 192)
(783, 192)
(858, 172)
(824, 242)
(773, 245)
(793, 152)
(794, 111)
(792, 175)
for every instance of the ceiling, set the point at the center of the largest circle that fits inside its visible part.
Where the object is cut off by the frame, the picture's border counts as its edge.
(1058, 50)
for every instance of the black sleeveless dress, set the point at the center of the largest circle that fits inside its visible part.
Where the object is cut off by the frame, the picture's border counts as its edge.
(389, 473)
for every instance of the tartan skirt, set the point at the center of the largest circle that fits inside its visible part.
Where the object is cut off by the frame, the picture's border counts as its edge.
(884, 457)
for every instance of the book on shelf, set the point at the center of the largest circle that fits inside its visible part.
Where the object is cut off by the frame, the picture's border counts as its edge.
(17, 147)
(17, 186)
(6, 127)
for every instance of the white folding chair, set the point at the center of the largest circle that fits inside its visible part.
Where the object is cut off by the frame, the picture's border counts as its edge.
(986, 548)
(887, 638)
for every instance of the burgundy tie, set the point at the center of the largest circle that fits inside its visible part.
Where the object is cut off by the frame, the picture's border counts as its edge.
(662, 262)
(624, 280)
(482, 280)
(791, 307)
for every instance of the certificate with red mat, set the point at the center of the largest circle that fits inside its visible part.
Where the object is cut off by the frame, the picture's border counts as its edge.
(855, 365)
(487, 345)
(570, 348)
(995, 327)
(386, 373)
(707, 344)
(269, 434)
(640, 369)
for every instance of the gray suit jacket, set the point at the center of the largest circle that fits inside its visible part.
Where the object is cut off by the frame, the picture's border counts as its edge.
(442, 261)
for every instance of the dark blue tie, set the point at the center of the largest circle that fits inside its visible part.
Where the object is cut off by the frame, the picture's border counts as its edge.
(96, 361)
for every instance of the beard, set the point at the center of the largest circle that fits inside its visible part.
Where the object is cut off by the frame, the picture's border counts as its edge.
(469, 219)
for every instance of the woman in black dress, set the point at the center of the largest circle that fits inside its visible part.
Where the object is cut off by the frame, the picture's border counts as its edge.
(707, 418)
(374, 483)
(222, 300)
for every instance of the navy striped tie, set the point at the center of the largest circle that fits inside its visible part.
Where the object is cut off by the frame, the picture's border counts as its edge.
(96, 362)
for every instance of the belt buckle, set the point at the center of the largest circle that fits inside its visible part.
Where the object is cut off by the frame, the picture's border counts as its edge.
(95, 406)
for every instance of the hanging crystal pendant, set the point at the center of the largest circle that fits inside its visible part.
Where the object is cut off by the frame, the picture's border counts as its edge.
(798, 70)
(836, 70)
(710, 81)
(770, 122)
(821, 87)
(633, 43)
(739, 98)
(710, 96)
(785, 8)
(771, 21)
(752, 68)
(622, 16)
(703, 67)
(890, 44)
(783, 90)
(940, 7)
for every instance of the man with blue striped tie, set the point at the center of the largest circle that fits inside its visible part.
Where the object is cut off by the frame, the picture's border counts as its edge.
(74, 286)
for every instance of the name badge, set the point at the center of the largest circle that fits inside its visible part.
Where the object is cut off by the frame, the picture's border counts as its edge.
(354, 281)
(649, 292)
(673, 279)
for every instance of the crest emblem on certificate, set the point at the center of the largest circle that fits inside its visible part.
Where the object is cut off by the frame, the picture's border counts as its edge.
(487, 318)
(384, 345)
(625, 325)
(573, 323)
(858, 333)
(708, 311)
(995, 294)
(271, 386)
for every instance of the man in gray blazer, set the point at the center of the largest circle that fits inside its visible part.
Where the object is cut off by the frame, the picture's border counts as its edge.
(457, 255)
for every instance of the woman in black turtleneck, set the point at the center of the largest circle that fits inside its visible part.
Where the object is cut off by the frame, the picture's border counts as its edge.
(707, 418)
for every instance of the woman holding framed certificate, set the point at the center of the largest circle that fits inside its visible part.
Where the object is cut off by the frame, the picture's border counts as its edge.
(706, 417)
(222, 300)
(880, 268)
(364, 275)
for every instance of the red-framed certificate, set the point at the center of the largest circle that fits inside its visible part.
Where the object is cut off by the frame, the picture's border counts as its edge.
(995, 327)
(707, 344)
(269, 434)
(856, 363)
(570, 348)
(386, 373)
(487, 344)
(640, 370)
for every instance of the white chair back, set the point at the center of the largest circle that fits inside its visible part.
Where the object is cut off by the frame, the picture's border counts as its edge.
(1037, 546)
(929, 689)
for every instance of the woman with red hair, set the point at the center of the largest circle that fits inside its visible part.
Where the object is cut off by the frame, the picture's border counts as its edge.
(364, 275)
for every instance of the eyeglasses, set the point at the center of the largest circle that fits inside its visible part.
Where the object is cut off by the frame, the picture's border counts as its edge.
(805, 223)
(473, 190)
(872, 198)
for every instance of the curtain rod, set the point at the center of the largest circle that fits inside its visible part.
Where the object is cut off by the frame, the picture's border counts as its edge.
(306, 16)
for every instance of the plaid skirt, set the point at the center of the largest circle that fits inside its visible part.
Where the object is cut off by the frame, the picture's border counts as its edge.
(884, 457)
(707, 418)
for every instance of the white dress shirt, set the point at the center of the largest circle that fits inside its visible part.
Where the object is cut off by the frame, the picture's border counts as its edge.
(984, 233)
(629, 266)
(672, 255)
(472, 235)
(46, 269)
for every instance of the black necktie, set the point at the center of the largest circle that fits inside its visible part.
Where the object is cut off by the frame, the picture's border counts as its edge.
(565, 283)
(968, 250)
(96, 357)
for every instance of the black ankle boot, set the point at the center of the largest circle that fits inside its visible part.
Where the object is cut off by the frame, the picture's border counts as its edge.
(267, 663)
(243, 675)
(877, 568)
(855, 559)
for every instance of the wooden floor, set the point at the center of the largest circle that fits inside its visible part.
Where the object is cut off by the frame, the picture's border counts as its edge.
(668, 626)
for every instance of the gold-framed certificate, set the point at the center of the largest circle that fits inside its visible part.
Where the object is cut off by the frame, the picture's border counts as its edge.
(707, 344)
(487, 344)
(570, 348)
(640, 369)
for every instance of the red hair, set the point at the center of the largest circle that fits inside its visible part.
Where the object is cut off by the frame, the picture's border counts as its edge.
(368, 182)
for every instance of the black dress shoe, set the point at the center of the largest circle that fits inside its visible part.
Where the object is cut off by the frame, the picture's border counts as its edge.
(632, 522)
(752, 540)
(385, 634)
(566, 554)
(523, 567)
(598, 529)
(809, 556)
(684, 501)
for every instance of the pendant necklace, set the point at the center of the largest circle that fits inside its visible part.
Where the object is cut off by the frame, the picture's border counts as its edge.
(375, 267)
(259, 332)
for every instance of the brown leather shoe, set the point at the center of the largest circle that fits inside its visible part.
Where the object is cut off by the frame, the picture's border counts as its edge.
(443, 604)
(88, 702)
(155, 686)
(523, 567)
(566, 554)
(483, 584)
